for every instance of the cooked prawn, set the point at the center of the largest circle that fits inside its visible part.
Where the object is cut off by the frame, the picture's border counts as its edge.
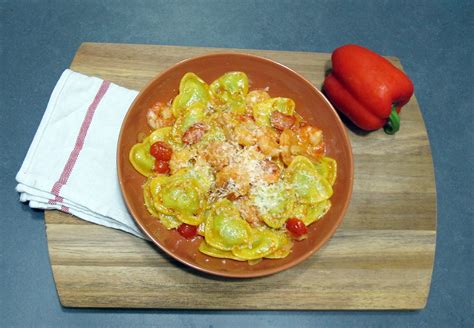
(248, 212)
(234, 180)
(246, 133)
(159, 116)
(306, 140)
(267, 142)
(217, 154)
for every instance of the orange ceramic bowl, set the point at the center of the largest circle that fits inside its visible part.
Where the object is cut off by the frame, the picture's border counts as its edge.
(282, 81)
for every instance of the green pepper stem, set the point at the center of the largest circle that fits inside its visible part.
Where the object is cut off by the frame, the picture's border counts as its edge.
(393, 122)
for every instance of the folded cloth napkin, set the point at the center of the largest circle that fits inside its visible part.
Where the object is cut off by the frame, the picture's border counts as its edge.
(71, 163)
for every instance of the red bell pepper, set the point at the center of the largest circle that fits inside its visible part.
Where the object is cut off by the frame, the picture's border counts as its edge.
(367, 88)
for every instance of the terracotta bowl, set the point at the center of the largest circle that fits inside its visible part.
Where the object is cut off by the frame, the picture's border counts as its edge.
(282, 81)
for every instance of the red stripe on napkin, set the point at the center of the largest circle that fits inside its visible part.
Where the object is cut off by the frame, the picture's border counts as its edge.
(77, 147)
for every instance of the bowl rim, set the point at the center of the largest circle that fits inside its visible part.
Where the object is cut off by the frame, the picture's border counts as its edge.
(249, 274)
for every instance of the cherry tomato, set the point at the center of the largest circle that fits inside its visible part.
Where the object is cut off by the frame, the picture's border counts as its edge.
(246, 117)
(161, 151)
(161, 167)
(282, 121)
(194, 133)
(187, 231)
(296, 227)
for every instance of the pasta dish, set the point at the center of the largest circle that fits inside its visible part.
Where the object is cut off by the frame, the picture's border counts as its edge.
(235, 167)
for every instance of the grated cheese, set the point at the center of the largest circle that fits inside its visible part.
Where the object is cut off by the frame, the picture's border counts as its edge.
(267, 197)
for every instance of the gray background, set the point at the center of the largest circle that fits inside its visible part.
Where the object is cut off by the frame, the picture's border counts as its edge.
(434, 40)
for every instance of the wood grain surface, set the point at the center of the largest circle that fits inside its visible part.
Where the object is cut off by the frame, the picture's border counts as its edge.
(381, 257)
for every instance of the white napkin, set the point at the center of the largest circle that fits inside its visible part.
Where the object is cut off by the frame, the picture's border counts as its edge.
(71, 163)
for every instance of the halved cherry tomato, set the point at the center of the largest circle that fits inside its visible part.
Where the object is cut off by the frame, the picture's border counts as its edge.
(161, 167)
(246, 117)
(296, 227)
(187, 231)
(161, 151)
(194, 133)
(282, 121)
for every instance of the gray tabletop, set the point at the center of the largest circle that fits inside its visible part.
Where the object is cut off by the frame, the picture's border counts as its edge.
(433, 39)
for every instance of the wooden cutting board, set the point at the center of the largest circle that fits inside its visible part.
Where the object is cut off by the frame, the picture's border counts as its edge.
(380, 258)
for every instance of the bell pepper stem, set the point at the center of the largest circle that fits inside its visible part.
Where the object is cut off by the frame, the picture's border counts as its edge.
(393, 122)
